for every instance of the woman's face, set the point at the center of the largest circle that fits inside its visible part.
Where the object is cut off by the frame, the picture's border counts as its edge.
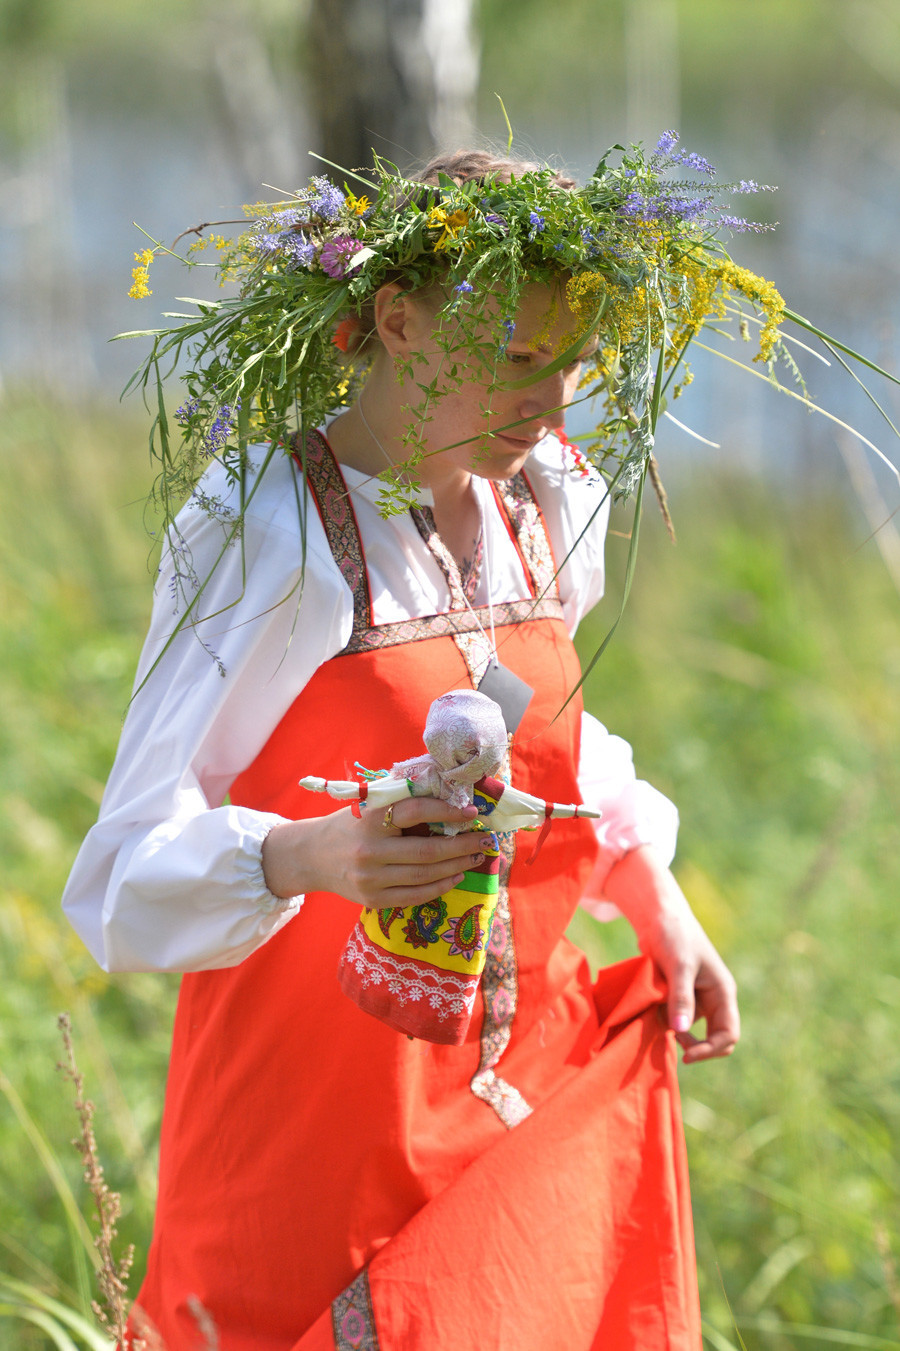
(497, 426)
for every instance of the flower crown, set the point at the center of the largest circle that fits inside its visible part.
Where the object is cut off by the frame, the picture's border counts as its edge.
(635, 250)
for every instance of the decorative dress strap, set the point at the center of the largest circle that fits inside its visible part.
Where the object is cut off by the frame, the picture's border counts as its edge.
(424, 521)
(332, 498)
(529, 533)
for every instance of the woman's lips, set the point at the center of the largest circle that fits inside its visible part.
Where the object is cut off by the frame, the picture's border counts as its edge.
(519, 442)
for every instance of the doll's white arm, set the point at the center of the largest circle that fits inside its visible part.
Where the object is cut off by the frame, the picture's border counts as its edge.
(381, 792)
(518, 810)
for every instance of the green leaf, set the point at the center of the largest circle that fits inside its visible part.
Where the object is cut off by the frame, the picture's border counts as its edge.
(601, 167)
(139, 333)
(207, 306)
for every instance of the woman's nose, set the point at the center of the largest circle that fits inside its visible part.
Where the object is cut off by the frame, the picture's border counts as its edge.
(546, 400)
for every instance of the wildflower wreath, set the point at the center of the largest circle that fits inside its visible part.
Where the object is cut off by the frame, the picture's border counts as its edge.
(636, 252)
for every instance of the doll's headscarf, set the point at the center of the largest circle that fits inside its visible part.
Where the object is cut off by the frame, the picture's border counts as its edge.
(466, 740)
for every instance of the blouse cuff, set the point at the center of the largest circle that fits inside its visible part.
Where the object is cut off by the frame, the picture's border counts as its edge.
(193, 896)
(269, 903)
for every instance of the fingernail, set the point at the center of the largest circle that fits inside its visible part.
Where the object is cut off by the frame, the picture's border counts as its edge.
(478, 858)
(681, 1022)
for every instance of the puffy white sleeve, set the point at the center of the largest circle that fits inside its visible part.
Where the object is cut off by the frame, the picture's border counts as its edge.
(633, 811)
(170, 879)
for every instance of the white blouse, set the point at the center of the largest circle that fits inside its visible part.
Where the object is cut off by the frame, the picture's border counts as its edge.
(169, 879)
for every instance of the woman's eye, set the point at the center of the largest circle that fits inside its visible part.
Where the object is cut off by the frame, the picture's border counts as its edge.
(518, 358)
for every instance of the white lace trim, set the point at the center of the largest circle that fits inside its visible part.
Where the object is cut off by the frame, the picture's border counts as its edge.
(449, 994)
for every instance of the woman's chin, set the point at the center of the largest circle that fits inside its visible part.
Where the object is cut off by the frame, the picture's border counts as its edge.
(501, 457)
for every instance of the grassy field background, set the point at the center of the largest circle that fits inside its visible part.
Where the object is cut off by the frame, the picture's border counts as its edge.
(756, 674)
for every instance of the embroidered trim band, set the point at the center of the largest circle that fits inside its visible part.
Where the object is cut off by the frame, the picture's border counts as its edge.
(353, 1318)
(500, 992)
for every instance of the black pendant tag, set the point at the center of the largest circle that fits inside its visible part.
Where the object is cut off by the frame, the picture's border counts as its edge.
(507, 690)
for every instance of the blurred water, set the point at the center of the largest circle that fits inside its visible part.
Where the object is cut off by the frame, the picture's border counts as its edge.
(64, 291)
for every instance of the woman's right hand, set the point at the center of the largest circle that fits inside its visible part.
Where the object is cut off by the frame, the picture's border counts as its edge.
(369, 862)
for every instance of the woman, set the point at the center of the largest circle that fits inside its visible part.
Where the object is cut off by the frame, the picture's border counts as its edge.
(324, 1180)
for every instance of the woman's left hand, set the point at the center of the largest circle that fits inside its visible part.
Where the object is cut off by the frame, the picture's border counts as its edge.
(699, 983)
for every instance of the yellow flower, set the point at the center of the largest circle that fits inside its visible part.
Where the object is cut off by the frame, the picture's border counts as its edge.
(358, 205)
(450, 224)
(139, 279)
(759, 292)
(584, 293)
(145, 257)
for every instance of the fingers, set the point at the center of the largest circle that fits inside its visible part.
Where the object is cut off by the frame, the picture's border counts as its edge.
(425, 850)
(382, 867)
(427, 871)
(680, 1003)
(712, 1048)
(416, 811)
(717, 1003)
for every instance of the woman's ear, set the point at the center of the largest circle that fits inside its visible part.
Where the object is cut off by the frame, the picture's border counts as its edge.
(392, 318)
(403, 322)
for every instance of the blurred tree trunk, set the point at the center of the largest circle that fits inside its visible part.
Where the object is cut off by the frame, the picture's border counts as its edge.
(263, 120)
(396, 75)
(652, 72)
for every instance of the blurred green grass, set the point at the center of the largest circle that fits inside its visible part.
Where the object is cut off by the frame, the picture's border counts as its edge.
(756, 673)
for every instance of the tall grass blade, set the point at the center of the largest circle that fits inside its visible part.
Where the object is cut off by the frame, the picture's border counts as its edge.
(833, 1336)
(34, 1304)
(51, 1165)
(834, 343)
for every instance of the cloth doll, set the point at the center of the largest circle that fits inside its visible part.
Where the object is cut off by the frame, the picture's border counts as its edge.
(418, 968)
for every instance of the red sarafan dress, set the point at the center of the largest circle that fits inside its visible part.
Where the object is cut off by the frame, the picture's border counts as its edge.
(329, 1183)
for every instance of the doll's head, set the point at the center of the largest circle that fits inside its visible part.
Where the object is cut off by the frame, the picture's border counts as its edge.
(466, 740)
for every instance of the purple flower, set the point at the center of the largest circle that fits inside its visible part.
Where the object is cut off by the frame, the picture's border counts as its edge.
(285, 219)
(741, 226)
(537, 224)
(509, 328)
(634, 205)
(464, 288)
(682, 208)
(218, 433)
(746, 185)
(667, 142)
(300, 249)
(697, 162)
(336, 253)
(188, 409)
(327, 200)
(268, 244)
